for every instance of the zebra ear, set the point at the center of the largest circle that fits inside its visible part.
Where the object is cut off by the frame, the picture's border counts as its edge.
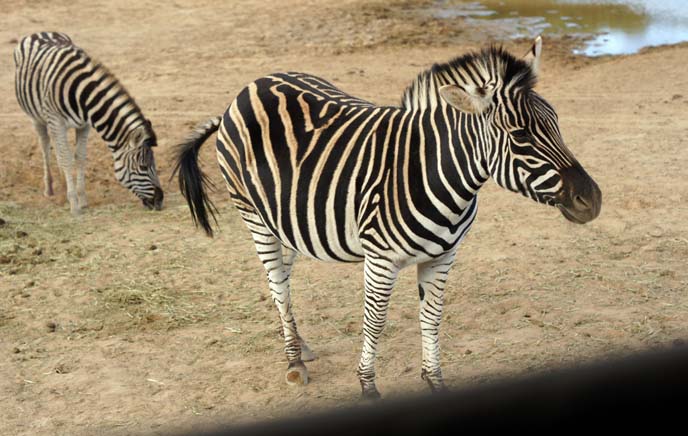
(137, 136)
(533, 55)
(471, 100)
(151, 139)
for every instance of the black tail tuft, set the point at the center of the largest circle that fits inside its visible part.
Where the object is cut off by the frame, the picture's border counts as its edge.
(192, 182)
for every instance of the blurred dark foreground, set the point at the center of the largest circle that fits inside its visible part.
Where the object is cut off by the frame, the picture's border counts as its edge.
(647, 391)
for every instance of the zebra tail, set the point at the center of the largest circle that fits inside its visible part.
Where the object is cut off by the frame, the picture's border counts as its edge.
(193, 183)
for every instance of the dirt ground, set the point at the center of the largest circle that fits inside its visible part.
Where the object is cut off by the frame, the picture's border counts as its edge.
(126, 321)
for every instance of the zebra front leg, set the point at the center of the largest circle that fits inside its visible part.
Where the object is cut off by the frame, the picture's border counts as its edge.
(80, 155)
(432, 278)
(65, 159)
(269, 251)
(380, 276)
(288, 257)
(44, 139)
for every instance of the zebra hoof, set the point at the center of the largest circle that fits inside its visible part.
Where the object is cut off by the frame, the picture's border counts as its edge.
(370, 395)
(297, 374)
(434, 381)
(307, 355)
(438, 388)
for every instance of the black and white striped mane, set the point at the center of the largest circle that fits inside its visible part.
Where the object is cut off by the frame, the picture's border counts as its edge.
(475, 68)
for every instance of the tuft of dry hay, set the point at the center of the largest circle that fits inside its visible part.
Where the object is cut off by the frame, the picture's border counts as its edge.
(149, 304)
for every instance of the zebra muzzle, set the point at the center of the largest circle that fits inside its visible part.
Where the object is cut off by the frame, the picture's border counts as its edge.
(154, 203)
(581, 199)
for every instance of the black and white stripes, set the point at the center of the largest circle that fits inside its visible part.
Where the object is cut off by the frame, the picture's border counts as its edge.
(315, 171)
(60, 87)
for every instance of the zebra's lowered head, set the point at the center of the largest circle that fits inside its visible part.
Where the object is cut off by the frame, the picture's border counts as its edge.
(135, 166)
(522, 148)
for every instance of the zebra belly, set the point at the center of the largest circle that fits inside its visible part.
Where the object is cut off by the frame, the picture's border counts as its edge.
(315, 226)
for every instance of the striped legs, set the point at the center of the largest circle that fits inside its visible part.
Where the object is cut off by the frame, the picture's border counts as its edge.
(270, 252)
(80, 155)
(44, 138)
(380, 276)
(288, 257)
(65, 159)
(432, 278)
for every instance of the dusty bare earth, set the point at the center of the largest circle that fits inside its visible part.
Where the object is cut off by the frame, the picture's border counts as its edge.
(126, 321)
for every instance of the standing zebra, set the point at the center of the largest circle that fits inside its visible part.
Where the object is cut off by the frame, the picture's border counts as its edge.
(60, 87)
(316, 171)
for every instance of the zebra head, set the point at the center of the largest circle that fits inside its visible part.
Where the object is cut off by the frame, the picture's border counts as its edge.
(523, 147)
(135, 166)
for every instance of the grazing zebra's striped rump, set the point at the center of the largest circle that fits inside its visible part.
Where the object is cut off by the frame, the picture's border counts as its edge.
(313, 170)
(60, 87)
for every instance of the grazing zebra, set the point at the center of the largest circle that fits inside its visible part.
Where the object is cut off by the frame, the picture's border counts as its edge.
(60, 87)
(316, 171)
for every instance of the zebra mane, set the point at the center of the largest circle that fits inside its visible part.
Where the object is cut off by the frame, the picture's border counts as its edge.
(475, 68)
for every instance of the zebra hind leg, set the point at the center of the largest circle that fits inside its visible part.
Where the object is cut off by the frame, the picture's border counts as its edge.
(288, 257)
(269, 250)
(80, 155)
(44, 139)
(432, 277)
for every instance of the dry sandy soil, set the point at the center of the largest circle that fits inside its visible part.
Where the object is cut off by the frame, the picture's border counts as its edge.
(127, 321)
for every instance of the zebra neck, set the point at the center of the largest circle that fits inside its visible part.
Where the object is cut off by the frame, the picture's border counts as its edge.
(116, 133)
(459, 139)
(118, 145)
(450, 157)
(109, 108)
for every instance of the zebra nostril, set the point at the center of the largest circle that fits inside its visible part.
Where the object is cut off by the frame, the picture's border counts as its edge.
(580, 203)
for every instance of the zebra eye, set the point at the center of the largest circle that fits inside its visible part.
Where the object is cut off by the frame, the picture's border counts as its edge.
(521, 135)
